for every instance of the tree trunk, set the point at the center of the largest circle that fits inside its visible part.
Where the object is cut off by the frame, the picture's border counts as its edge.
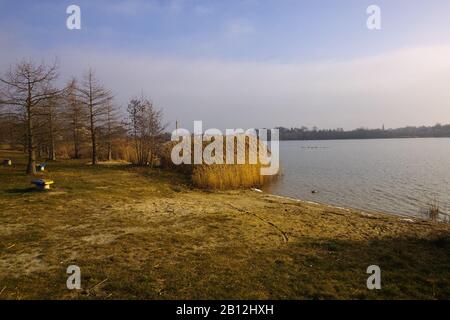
(76, 144)
(109, 138)
(94, 142)
(93, 138)
(109, 151)
(151, 159)
(52, 155)
(31, 166)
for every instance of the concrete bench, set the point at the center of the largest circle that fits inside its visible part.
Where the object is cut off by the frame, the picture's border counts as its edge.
(42, 184)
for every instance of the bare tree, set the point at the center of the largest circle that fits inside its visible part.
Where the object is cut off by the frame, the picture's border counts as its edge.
(145, 126)
(27, 86)
(76, 116)
(111, 124)
(135, 125)
(51, 113)
(155, 131)
(96, 98)
(12, 131)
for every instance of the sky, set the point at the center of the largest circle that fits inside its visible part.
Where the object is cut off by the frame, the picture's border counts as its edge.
(250, 63)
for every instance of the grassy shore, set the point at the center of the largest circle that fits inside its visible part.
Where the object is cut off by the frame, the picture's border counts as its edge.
(148, 234)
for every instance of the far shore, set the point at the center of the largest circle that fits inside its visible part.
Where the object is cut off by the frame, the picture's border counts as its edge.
(357, 139)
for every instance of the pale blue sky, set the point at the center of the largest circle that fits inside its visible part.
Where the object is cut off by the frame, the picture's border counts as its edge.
(207, 60)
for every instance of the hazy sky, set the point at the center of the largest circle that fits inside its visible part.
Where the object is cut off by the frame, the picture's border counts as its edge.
(250, 63)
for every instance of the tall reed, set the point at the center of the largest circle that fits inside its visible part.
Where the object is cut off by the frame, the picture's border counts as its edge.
(226, 175)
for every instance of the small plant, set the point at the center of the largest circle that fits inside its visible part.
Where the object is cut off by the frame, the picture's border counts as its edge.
(433, 210)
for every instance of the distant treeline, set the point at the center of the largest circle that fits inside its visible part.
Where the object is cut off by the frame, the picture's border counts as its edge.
(303, 133)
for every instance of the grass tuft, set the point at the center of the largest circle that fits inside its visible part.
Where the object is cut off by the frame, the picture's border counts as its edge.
(433, 210)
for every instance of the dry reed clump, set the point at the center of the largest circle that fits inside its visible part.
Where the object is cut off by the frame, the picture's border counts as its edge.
(167, 163)
(222, 176)
(63, 151)
(229, 176)
(122, 149)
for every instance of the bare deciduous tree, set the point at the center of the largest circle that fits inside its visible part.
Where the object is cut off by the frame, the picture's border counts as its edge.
(51, 113)
(27, 87)
(75, 115)
(146, 129)
(96, 98)
(111, 124)
(12, 130)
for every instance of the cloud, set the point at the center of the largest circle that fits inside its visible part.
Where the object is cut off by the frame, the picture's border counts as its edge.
(405, 87)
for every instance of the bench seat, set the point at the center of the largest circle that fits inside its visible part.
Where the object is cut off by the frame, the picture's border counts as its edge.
(42, 184)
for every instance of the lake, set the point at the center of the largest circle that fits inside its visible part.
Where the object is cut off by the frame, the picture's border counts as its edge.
(390, 175)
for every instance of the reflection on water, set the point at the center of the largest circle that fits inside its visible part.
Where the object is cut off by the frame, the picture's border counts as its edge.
(392, 175)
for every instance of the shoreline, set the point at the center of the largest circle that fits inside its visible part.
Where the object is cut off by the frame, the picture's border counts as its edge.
(351, 209)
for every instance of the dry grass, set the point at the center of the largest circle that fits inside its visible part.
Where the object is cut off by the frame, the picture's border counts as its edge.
(224, 176)
(153, 236)
(122, 150)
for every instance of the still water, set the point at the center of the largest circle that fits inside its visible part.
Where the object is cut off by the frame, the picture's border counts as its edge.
(391, 175)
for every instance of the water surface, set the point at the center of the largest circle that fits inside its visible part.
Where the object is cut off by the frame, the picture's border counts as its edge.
(392, 175)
